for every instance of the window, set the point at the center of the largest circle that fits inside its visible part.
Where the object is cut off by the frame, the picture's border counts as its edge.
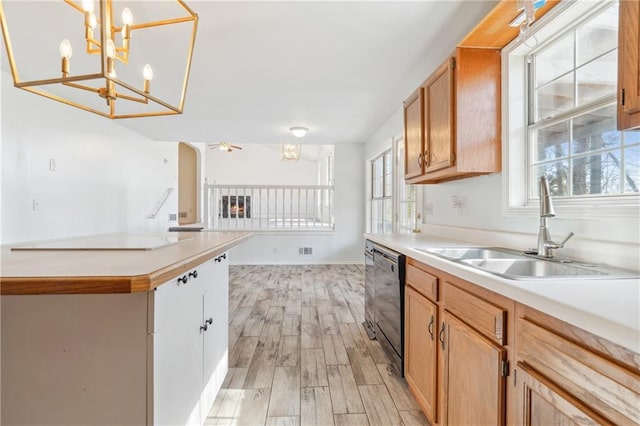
(407, 195)
(381, 193)
(572, 115)
(567, 86)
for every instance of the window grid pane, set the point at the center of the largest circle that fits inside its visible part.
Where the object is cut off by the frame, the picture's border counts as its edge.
(580, 151)
(381, 189)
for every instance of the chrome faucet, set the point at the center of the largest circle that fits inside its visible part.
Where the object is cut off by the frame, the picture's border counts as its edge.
(545, 244)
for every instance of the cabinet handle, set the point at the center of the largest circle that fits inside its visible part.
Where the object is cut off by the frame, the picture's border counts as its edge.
(442, 336)
(420, 159)
(222, 256)
(183, 279)
(426, 158)
(430, 328)
(193, 274)
(205, 326)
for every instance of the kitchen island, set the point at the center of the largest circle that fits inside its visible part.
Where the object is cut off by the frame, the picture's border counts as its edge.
(125, 335)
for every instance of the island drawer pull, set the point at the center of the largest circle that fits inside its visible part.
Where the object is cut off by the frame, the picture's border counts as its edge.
(183, 279)
(193, 274)
(222, 256)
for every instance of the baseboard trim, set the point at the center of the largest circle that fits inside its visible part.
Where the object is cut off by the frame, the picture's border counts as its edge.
(285, 263)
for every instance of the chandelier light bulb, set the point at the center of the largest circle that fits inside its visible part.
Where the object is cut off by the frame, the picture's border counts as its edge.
(111, 49)
(298, 131)
(65, 49)
(127, 16)
(93, 21)
(147, 72)
(88, 5)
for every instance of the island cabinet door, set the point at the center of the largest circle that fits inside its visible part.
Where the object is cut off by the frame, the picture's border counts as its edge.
(216, 335)
(177, 353)
(474, 385)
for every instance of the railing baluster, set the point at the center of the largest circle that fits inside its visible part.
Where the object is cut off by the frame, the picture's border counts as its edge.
(268, 206)
(298, 208)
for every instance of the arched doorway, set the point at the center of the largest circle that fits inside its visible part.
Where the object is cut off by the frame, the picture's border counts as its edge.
(187, 184)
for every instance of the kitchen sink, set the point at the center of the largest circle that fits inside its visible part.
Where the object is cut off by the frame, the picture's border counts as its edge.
(460, 253)
(531, 268)
(512, 264)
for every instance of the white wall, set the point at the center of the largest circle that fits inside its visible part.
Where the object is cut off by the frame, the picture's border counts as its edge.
(258, 164)
(344, 245)
(615, 241)
(107, 178)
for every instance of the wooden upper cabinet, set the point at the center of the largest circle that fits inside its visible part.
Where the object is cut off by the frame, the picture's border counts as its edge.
(439, 112)
(629, 65)
(461, 118)
(414, 135)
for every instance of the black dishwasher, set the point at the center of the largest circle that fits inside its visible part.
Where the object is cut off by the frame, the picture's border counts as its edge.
(388, 304)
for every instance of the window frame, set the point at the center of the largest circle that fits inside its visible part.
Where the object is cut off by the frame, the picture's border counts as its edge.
(515, 128)
(385, 197)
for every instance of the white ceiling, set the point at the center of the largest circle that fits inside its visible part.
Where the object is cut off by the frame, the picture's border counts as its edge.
(339, 68)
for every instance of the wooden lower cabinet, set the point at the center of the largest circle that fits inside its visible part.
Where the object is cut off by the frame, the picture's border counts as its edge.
(421, 327)
(541, 403)
(565, 375)
(474, 383)
(475, 357)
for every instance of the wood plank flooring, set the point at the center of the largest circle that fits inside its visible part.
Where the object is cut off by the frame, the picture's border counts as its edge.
(300, 356)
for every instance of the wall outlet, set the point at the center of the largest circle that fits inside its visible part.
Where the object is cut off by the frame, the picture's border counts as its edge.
(52, 164)
(275, 250)
(173, 216)
(36, 205)
(305, 251)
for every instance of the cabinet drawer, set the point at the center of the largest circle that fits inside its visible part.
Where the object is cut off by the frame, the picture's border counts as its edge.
(485, 317)
(425, 283)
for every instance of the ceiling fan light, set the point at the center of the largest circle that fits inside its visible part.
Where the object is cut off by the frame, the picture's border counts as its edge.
(298, 131)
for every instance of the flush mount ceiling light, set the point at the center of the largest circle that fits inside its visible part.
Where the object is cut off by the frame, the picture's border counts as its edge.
(291, 152)
(89, 81)
(298, 131)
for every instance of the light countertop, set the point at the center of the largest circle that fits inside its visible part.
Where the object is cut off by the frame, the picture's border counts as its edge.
(85, 266)
(607, 308)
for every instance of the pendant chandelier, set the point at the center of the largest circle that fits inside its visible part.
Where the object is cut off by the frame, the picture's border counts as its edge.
(119, 43)
(290, 152)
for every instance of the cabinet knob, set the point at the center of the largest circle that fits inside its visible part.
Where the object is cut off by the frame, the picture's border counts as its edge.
(193, 274)
(183, 279)
(206, 324)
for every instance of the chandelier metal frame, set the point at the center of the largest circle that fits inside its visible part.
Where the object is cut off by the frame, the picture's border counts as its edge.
(108, 32)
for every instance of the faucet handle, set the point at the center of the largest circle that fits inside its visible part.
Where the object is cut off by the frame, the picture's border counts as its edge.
(571, 234)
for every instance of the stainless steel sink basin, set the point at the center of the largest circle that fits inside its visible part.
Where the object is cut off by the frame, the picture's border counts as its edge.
(516, 265)
(531, 268)
(459, 253)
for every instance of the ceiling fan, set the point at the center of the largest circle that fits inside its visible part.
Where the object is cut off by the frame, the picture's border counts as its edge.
(224, 146)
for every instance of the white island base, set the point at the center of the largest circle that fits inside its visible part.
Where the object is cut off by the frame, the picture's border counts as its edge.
(146, 358)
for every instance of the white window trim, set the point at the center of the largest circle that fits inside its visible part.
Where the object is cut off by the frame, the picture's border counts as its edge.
(515, 200)
(386, 146)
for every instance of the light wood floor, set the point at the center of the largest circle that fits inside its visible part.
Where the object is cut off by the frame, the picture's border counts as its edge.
(300, 356)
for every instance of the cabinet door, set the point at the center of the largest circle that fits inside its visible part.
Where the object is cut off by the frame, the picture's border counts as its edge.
(413, 135)
(542, 403)
(421, 326)
(439, 119)
(177, 355)
(474, 388)
(216, 337)
(629, 65)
